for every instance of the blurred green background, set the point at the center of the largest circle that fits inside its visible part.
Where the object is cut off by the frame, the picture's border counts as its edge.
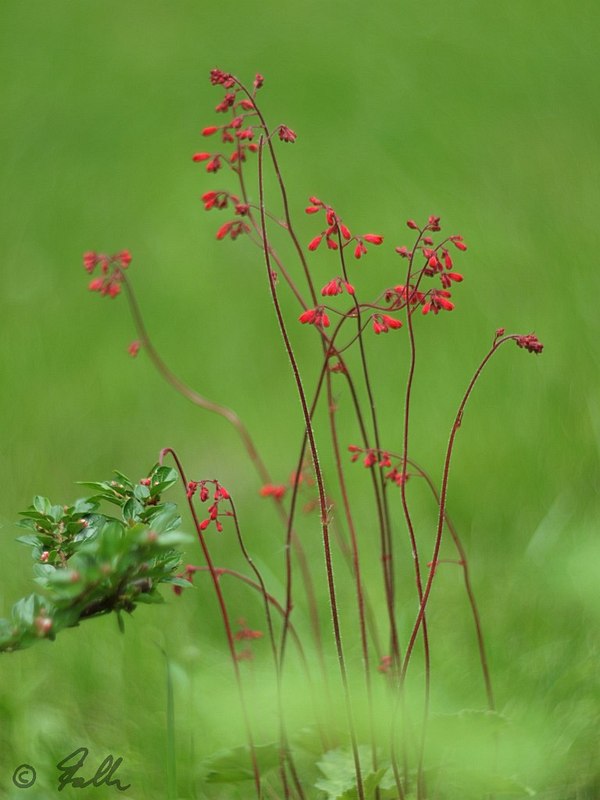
(483, 113)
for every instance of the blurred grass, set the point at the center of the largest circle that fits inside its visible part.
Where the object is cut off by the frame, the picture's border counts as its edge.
(486, 115)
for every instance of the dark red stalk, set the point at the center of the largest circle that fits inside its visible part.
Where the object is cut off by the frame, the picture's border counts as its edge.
(285, 752)
(226, 621)
(292, 630)
(408, 518)
(386, 534)
(247, 441)
(319, 478)
(443, 496)
(468, 588)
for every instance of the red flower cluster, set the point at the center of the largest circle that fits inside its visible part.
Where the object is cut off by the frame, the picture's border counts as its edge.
(385, 664)
(336, 286)
(315, 316)
(245, 632)
(530, 342)
(437, 262)
(336, 230)
(111, 271)
(382, 459)
(239, 131)
(271, 490)
(219, 494)
(233, 229)
(382, 323)
(286, 134)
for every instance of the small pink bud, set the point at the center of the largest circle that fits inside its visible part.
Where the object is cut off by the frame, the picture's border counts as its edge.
(43, 625)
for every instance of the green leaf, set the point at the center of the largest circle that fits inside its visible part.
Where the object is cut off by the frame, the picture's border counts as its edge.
(30, 540)
(141, 492)
(38, 519)
(132, 508)
(25, 611)
(177, 581)
(57, 513)
(97, 486)
(127, 484)
(174, 539)
(42, 504)
(151, 598)
(232, 766)
(166, 520)
(84, 506)
(339, 782)
(111, 538)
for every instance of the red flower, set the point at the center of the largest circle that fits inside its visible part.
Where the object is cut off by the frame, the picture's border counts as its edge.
(224, 230)
(382, 323)
(286, 134)
(458, 242)
(270, 490)
(315, 316)
(438, 300)
(359, 250)
(336, 286)
(530, 342)
(134, 348)
(95, 285)
(209, 130)
(200, 156)
(90, 260)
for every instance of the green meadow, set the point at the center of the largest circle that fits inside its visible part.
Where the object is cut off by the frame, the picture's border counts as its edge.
(483, 113)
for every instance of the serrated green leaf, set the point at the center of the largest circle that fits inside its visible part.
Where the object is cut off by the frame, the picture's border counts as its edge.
(235, 765)
(339, 770)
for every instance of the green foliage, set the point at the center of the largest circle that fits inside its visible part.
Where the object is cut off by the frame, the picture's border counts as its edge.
(90, 563)
(339, 781)
(235, 765)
